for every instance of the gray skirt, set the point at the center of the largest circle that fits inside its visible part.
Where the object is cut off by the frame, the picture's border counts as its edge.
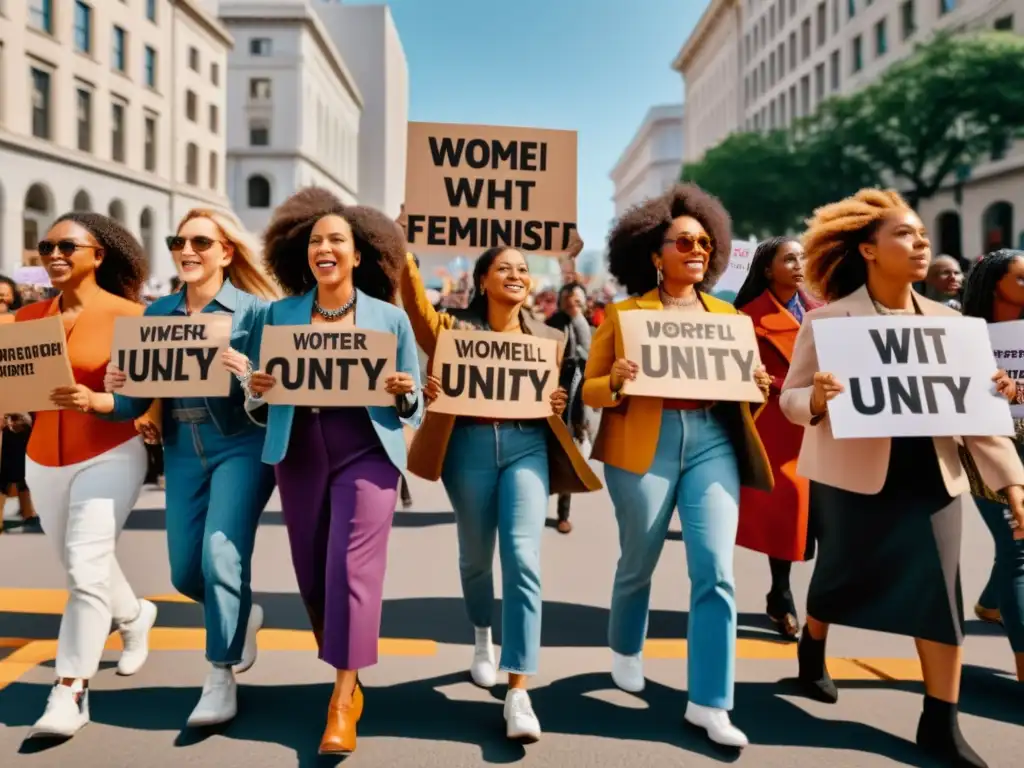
(891, 561)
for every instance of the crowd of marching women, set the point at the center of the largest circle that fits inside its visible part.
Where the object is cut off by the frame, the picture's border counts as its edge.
(880, 516)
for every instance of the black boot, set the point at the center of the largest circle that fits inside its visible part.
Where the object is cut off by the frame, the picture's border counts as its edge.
(938, 734)
(814, 677)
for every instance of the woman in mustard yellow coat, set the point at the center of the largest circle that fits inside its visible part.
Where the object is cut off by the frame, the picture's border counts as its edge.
(662, 455)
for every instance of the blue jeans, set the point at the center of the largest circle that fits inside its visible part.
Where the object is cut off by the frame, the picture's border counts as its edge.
(694, 471)
(217, 488)
(497, 479)
(1005, 588)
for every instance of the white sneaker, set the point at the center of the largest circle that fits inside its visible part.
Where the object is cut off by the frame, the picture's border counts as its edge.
(135, 638)
(483, 669)
(249, 650)
(219, 702)
(67, 712)
(717, 724)
(628, 672)
(521, 722)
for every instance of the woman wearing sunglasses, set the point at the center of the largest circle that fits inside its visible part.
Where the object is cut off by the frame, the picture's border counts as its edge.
(85, 475)
(662, 455)
(217, 484)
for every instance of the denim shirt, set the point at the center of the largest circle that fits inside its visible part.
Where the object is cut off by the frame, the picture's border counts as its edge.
(227, 414)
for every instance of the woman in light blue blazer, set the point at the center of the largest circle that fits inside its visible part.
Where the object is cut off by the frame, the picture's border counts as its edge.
(338, 469)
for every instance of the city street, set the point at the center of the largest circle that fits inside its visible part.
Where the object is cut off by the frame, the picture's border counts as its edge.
(421, 709)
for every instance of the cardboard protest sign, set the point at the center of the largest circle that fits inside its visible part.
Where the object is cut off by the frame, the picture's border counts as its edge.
(471, 187)
(328, 368)
(735, 274)
(1008, 348)
(911, 376)
(172, 356)
(692, 357)
(33, 363)
(495, 375)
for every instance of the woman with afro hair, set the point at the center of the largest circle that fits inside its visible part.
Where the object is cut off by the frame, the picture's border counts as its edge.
(338, 469)
(85, 474)
(667, 454)
(886, 511)
(995, 293)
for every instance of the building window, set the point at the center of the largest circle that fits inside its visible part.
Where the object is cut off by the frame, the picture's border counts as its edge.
(258, 192)
(792, 8)
(1005, 23)
(805, 95)
(40, 15)
(214, 170)
(151, 10)
(782, 109)
(259, 134)
(150, 73)
(822, 22)
(83, 27)
(117, 142)
(782, 13)
(881, 39)
(192, 164)
(191, 105)
(908, 21)
(851, 8)
(782, 59)
(150, 143)
(214, 118)
(835, 17)
(771, 69)
(819, 82)
(834, 70)
(40, 103)
(792, 50)
(792, 103)
(120, 53)
(193, 58)
(84, 115)
(215, 73)
(260, 46)
(947, 6)
(805, 38)
(259, 89)
(857, 59)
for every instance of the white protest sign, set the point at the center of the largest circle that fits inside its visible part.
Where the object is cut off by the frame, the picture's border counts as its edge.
(1008, 347)
(911, 376)
(731, 281)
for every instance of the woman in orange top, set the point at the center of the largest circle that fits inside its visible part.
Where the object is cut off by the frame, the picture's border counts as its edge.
(85, 474)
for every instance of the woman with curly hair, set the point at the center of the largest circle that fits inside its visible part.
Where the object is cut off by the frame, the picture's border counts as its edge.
(85, 474)
(217, 483)
(663, 454)
(338, 469)
(776, 523)
(498, 474)
(887, 511)
(995, 293)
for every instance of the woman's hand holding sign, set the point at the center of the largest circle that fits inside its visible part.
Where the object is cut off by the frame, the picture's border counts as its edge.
(399, 384)
(559, 400)
(763, 379)
(114, 378)
(623, 370)
(236, 363)
(77, 398)
(826, 387)
(261, 383)
(1005, 386)
(432, 389)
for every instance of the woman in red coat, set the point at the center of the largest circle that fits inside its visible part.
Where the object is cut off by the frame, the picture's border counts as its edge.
(776, 523)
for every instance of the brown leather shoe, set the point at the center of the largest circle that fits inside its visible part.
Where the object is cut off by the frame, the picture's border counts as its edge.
(340, 734)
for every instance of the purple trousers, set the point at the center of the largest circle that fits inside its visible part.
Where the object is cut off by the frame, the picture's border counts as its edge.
(338, 494)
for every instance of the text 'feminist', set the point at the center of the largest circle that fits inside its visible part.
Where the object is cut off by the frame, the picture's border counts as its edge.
(910, 394)
(484, 382)
(327, 373)
(692, 362)
(18, 361)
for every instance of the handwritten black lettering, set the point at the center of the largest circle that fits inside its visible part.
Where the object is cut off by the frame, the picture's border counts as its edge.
(316, 374)
(513, 351)
(178, 332)
(31, 352)
(481, 153)
(478, 382)
(17, 370)
(690, 330)
(897, 344)
(169, 364)
(477, 232)
(331, 341)
(659, 361)
(910, 394)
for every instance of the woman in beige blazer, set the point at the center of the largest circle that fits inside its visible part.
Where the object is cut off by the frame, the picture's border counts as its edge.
(886, 512)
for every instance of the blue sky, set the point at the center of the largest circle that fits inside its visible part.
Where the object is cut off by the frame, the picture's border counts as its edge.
(594, 66)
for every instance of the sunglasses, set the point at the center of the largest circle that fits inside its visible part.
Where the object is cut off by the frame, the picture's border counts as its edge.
(686, 243)
(199, 244)
(66, 247)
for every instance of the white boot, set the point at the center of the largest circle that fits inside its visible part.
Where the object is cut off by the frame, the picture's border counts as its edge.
(521, 722)
(249, 650)
(135, 639)
(717, 724)
(67, 712)
(483, 670)
(219, 702)
(628, 672)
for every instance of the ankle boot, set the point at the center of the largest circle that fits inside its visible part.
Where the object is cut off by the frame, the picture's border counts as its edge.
(340, 733)
(938, 734)
(814, 678)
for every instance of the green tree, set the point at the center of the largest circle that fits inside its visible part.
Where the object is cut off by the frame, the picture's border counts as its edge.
(949, 104)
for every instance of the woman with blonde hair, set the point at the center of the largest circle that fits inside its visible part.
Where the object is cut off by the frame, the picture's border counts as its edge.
(886, 511)
(217, 484)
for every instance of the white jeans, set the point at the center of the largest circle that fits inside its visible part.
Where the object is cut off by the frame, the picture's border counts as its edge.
(82, 508)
